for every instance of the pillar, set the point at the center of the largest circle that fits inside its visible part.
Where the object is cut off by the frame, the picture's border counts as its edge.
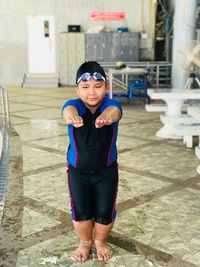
(184, 31)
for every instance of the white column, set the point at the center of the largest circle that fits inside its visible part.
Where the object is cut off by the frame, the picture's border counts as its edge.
(184, 31)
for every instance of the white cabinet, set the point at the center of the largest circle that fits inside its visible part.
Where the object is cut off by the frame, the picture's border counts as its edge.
(71, 56)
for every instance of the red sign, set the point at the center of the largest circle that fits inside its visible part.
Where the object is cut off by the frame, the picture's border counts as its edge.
(108, 15)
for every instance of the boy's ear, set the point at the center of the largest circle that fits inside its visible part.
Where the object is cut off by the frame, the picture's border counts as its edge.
(107, 86)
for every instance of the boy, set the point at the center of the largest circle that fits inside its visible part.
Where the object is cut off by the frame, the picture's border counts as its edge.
(92, 160)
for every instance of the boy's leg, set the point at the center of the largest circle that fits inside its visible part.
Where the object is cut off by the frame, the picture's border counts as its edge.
(84, 230)
(105, 213)
(101, 233)
(81, 207)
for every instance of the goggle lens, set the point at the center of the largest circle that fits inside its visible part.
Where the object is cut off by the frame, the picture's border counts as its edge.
(86, 76)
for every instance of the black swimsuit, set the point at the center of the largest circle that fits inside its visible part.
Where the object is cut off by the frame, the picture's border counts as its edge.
(92, 166)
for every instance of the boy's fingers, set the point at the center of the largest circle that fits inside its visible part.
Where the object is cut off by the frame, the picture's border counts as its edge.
(75, 119)
(77, 125)
(101, 122)
(97, 123)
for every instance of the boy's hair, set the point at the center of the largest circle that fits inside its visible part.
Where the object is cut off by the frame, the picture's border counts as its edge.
(90, 67)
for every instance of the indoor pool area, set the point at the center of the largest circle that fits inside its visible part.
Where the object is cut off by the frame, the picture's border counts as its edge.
(158, 219)
(60, 190)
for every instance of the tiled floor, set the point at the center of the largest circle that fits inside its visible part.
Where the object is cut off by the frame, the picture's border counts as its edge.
(158, 219)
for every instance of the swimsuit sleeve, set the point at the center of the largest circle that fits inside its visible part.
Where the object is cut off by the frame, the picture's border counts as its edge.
(110, 102)
(77, 103)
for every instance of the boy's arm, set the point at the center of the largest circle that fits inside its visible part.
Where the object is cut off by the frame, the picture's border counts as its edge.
(70, 115)
(108, 116)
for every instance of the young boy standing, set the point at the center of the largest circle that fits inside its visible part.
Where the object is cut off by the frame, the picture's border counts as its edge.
(92, 160)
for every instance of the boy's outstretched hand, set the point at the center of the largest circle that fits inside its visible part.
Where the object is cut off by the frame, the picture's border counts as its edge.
(102, 120)
(71, 116)
(108, 116)
(75, 120)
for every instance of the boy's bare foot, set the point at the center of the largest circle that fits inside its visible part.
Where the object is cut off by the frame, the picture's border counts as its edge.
(83, 251)
(104, 252)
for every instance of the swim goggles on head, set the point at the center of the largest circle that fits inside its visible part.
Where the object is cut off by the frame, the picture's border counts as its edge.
(86, 76)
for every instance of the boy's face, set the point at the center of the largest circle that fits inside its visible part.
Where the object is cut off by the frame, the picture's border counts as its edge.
(91, 92)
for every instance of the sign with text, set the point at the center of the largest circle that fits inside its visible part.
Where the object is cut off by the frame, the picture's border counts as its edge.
(108, 15)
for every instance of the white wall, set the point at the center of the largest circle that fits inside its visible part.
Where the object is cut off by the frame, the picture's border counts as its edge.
(140, 15)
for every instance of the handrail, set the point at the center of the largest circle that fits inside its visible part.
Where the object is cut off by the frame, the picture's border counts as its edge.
(155, 71)
(5, 105)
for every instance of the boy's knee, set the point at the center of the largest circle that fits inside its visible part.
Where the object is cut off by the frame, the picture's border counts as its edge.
(105, 218)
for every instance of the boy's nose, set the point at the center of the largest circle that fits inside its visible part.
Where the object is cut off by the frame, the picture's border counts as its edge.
(92, 90)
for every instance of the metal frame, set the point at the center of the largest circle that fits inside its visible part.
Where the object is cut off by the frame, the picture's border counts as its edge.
(156, 75)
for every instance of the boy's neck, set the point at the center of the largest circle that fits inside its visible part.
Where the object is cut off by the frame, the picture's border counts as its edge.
(92, 109)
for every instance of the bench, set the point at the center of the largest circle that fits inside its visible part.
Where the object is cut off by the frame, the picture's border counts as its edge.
(162, 107)
(187, 131)
(183, 118)
(197, 153)
(156, 107)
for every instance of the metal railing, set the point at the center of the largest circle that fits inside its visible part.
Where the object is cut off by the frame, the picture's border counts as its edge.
(5, 105)
(160, 71)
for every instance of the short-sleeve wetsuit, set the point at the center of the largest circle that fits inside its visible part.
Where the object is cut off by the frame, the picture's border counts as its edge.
(92, 165)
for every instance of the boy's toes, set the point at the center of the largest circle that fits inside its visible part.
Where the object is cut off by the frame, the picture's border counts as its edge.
(78, 256)
(104, 252)
(83, 251)
(100, 257)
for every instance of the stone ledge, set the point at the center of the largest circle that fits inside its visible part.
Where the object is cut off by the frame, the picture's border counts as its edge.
(1, 143)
